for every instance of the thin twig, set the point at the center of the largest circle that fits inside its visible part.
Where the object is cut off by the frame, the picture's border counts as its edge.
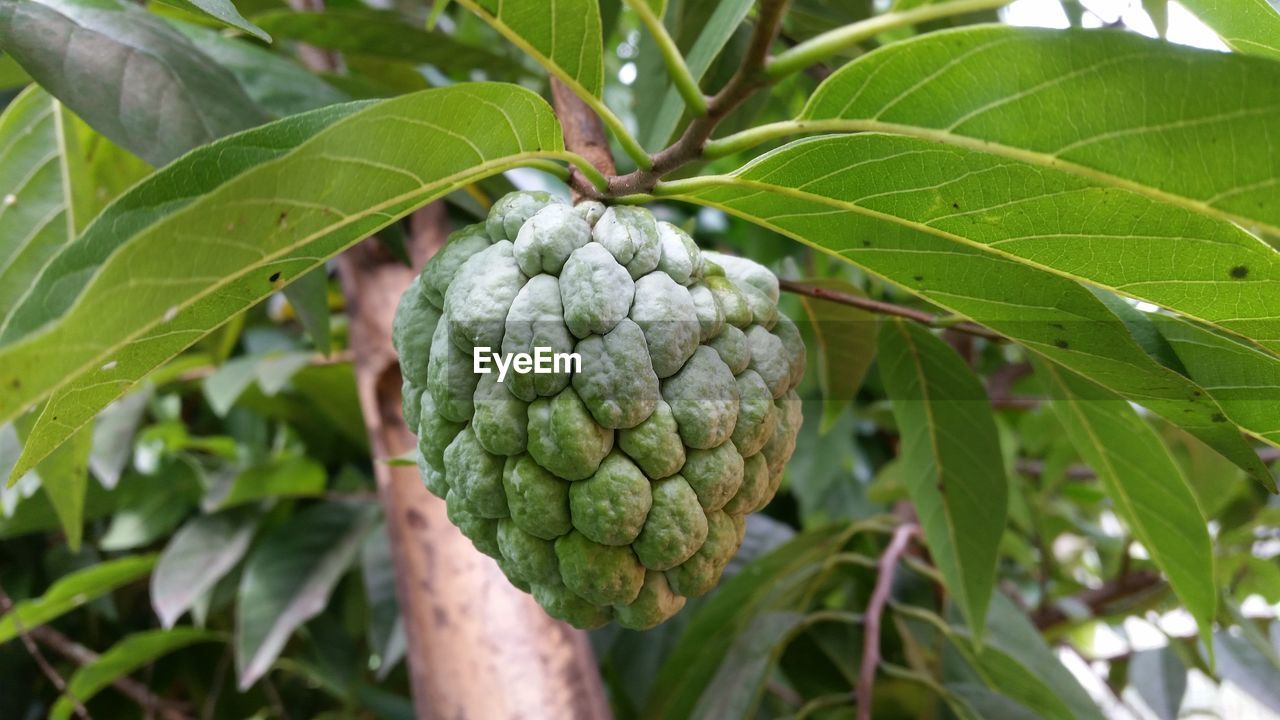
(886, 308)
(1080, 471)
(68, 648)
(1098, 600)
(33, 650)
(875, 611)
(749, 78)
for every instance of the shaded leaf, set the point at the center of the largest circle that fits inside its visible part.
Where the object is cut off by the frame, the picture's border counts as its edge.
(72, 591)
(64, 477)
(1148, 489)
(275, 82)
(384, 35)
(145, 515)
(127, 655)
(288, 578)
(289, 476)
(113, 436)
(735, 689)
(223, 10)
(776, 581)
(1160, 678)
(200, 553)
(109, 60)
(1243, 663)
(309, 296)
(950, 460)
(846, 340)
(386, 624)
(344, 171)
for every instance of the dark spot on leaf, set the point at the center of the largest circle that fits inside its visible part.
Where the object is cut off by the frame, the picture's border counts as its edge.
(1058, 326)
(866, 243)
(15, 383)
(281, 219)
(955, 205)
(942, 488)
(274, 277)
(1239, 272)
(918, 278)
(1196, 393)
(1062, 343)
(1219, 418)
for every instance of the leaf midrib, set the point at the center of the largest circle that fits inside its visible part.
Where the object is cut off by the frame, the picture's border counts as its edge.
(475, 170)
(1032, 157)
(677, 187)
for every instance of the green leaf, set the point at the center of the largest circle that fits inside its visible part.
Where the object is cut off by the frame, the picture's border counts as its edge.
(200, 554)
(224, 11)
(564, 36)
(288, 578)
(127, 655)
(384, 35)
(289, 476)
(846, 340)
(1015, 662)
(780, 579)
(51, 186)
(1160, 678)
(113, 434)
(1242, 378)
(144, 516)
(275, 82)
(1148, 489)
(386, 624)
(109, 60)
(713, 35)
(950, 459)
(309, 296)
(11, 73)
(1049, 314)
(1246, 26)
(1249, 665)
(64, 477)
(990, 90)
(118, 303)
(735, 689)
(72, 591)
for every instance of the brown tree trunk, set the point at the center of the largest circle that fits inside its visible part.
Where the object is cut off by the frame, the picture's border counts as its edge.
(477, 646)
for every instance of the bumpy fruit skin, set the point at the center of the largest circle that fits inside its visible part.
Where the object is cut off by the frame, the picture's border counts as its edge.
(618, 490)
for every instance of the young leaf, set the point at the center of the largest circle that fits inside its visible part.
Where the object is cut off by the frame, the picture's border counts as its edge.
(846, 340)
(1246, 26)
(1013, 93)
(109, 60)
(1048, 313)
(127, 655)
(950, 458)
(118, 303)
(1148, 488)
(72, 591)
(223, 10)
(288, 577)
(200, 553)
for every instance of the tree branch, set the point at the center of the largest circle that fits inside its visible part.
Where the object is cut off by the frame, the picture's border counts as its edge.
(886, 308)
(583, 134)
(749, 78)
(1127, 586)
(66, 647)
(875, 612)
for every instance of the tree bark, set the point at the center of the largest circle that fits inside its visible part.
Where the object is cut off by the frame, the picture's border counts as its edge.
(477, 646)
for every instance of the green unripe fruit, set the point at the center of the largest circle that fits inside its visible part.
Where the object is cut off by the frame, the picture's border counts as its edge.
(614, 486)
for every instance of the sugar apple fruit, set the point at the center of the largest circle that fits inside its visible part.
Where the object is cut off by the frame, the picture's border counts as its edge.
(618, 488)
